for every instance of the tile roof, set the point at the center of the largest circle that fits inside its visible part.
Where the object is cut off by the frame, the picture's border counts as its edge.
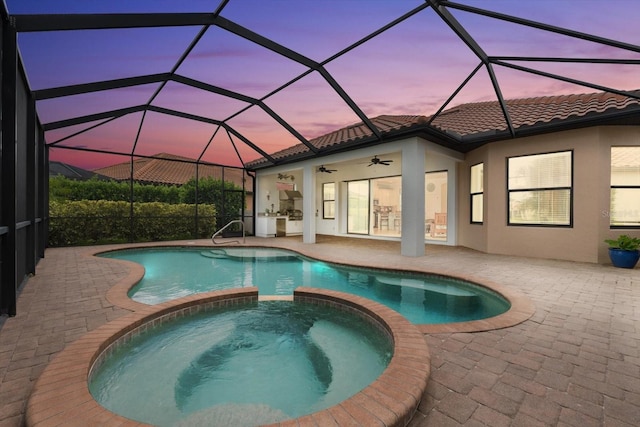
(352, 133)
(471, 119)
(385, 124)
(71, 172)
(166, 168)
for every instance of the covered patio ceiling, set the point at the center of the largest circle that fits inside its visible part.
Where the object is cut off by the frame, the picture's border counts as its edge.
(227, 82)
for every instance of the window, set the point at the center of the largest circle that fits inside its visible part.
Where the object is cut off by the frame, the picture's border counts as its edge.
(477, 193)
(329, 200)
(540, 189)
(625, 187)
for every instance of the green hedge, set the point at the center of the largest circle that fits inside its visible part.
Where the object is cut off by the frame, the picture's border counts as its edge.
(210, 190)
(86, 222)
(97, 211)
(61, 188)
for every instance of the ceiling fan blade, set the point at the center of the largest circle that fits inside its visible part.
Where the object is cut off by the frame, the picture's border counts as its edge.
(377, 161)
(325, 170)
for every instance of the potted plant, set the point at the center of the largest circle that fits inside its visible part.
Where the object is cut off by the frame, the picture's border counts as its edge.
(624, 251)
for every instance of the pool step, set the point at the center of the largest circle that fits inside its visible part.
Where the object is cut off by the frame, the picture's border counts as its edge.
(240, 254)
(445, 289)
(215, 253)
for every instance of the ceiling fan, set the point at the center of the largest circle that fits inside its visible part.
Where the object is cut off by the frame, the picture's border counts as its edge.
(325, 170)
(377, 161)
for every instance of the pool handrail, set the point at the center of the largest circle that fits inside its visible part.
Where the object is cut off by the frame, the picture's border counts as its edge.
(235, 221)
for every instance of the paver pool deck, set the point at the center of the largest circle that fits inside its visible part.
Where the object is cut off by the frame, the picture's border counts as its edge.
(574, 362)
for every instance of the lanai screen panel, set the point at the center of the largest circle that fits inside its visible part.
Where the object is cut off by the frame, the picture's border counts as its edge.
(69, 107)
(273, 75)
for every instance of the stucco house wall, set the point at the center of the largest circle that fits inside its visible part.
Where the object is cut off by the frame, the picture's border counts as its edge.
(591, 183)
(582, 241)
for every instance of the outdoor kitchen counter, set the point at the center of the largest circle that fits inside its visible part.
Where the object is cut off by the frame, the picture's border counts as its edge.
(267, 226)
(294, 227)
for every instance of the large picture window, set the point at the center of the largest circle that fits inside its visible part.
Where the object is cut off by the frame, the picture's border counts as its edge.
(477, 193)
(329, 200)
(625, 187)
(540, 189)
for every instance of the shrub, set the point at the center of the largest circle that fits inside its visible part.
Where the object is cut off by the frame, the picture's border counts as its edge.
(98, 211)
(210, 190)
(86, 222)
(624, 242)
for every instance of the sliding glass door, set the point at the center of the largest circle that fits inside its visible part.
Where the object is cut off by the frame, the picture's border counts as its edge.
(436, 206)
(387, 206)
(374, 206)
(358, 207)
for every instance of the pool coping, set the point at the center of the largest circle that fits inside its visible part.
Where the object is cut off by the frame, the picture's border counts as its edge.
(61, 394)
(522, 307)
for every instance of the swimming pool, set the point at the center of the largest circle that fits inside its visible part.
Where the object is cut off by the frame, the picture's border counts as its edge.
(174, 272)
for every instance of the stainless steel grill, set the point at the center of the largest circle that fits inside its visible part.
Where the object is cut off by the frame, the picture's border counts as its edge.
(295, 215)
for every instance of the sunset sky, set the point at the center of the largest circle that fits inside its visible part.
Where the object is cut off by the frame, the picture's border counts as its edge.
(410, 69)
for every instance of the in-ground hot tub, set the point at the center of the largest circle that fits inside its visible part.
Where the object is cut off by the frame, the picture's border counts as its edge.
(62, 391)
(246, 364)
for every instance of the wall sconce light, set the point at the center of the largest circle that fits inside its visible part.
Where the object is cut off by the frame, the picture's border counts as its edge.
(268, 195)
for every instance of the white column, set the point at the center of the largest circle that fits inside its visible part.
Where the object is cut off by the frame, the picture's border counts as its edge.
(309, 204)
(413, 177)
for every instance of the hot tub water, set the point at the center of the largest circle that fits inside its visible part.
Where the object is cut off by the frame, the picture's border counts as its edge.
(242, 365)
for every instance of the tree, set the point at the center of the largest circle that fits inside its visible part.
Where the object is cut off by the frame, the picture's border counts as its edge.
(223, 195)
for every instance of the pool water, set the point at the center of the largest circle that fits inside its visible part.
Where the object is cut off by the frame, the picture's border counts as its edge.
(243, 365)
(423, 299)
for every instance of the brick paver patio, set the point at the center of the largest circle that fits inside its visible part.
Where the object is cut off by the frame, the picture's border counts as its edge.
(575, 362)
